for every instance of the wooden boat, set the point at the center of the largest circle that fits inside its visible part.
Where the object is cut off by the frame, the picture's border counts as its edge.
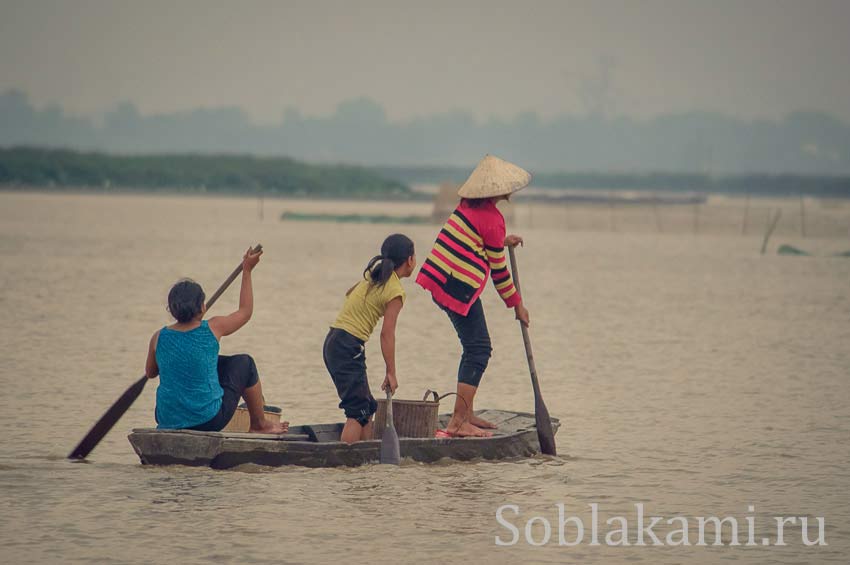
(319, 445)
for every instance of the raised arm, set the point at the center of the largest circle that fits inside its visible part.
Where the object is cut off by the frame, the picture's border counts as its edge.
(226, 325)
(388, 342)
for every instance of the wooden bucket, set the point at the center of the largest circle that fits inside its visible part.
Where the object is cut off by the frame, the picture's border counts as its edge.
(412, 418)
(241, 421)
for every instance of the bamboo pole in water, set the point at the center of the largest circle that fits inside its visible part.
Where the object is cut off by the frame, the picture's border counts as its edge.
(770, 227)
(696, 218)
(655, 213)
(260, 205)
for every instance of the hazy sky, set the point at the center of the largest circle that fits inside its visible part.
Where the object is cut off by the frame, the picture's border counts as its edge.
(756, 58)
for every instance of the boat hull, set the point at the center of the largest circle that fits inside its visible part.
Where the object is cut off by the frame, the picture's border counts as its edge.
(319, 446)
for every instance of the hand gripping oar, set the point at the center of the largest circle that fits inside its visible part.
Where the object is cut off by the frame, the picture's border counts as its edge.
(390, 450)
(545, 435)
(111, 417)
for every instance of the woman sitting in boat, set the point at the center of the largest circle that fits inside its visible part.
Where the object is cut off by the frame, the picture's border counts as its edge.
(378, 294)
(198, 388)
(469, 248)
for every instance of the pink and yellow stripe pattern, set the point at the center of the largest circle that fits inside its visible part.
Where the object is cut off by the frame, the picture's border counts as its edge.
(457, 268)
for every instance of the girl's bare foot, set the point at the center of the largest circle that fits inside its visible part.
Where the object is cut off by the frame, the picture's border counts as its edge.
(481, 423)
(269, 427)
(468, 430)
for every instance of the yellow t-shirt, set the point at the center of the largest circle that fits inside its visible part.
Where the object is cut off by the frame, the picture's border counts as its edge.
(362, 309)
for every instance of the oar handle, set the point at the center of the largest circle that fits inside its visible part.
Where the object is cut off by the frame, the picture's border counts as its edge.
(230, 279)
(545, 434)
(514, 270)
(389, 420)
(526, 338)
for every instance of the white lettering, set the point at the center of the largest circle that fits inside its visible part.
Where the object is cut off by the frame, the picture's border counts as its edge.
(804, 524)
(594, 524)
(562, 522)
(648, 529)
(513, 529)
(623, 531)
(780, 528)
(718, 527)
(683, 532)
(751, 527)
(547, 530)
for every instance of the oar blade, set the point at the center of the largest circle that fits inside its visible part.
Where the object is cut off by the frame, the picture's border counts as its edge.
(545, 433)
(390, 448)
(109, 419)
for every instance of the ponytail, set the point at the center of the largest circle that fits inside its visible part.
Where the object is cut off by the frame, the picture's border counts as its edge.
(396, 249)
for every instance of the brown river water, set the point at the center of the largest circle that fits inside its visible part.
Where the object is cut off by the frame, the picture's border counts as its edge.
(691, 375)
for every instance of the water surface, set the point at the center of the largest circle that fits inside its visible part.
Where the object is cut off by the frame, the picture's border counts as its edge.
(690, 374)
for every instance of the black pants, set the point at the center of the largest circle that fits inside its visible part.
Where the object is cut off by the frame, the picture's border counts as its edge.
(345, 358)
(235, 374)
(475, 339)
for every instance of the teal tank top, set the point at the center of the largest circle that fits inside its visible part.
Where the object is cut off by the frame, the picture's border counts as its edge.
(189, 393)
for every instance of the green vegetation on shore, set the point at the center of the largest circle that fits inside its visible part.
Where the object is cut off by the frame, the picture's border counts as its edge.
(355, 218)
(61, 169)
(232, 174)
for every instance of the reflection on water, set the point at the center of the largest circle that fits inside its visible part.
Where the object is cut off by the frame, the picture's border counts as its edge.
(690, 374)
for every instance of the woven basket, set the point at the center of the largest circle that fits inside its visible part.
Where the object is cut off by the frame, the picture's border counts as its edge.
(412, 418)
(241, 421)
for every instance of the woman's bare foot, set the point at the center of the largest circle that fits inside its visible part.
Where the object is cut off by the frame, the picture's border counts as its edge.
(269, 427)
(468, 430)
(481, 423)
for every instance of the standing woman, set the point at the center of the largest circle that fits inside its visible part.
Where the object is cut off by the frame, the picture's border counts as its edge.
(469, 248)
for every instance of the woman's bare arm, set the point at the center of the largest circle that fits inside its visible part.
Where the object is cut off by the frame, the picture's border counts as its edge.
(151, 368)
(226, 325)
(388, 341)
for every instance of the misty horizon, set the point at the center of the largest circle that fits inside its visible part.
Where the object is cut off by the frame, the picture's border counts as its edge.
(359, 131)
(759, 59)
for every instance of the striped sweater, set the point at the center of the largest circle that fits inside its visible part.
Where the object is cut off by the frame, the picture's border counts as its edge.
(469, 248)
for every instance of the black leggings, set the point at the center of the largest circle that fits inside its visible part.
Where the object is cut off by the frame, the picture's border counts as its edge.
(345, 358)
(235, 374)
(475, 339)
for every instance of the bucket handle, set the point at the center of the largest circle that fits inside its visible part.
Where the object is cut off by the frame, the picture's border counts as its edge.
(437, 398)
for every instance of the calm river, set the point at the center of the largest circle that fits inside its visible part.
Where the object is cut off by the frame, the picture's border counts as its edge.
(691, 375)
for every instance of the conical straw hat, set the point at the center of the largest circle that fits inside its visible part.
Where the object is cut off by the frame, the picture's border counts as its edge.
(494, 177)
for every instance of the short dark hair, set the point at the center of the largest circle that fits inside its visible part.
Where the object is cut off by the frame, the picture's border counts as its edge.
(476, 202)
(185, 300)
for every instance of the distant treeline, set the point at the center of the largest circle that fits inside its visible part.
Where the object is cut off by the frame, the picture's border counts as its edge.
(359, 131)
(755, 184)
(59, 168)
(241, 174)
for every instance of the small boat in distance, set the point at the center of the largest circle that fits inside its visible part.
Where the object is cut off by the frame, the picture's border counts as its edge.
(319, 446)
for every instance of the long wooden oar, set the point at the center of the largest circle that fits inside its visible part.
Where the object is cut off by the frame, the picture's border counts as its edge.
(111, 417)
(543, 423)
(390, 450)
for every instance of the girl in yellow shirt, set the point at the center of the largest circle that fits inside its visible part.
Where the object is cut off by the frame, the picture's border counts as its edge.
(379, 294)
